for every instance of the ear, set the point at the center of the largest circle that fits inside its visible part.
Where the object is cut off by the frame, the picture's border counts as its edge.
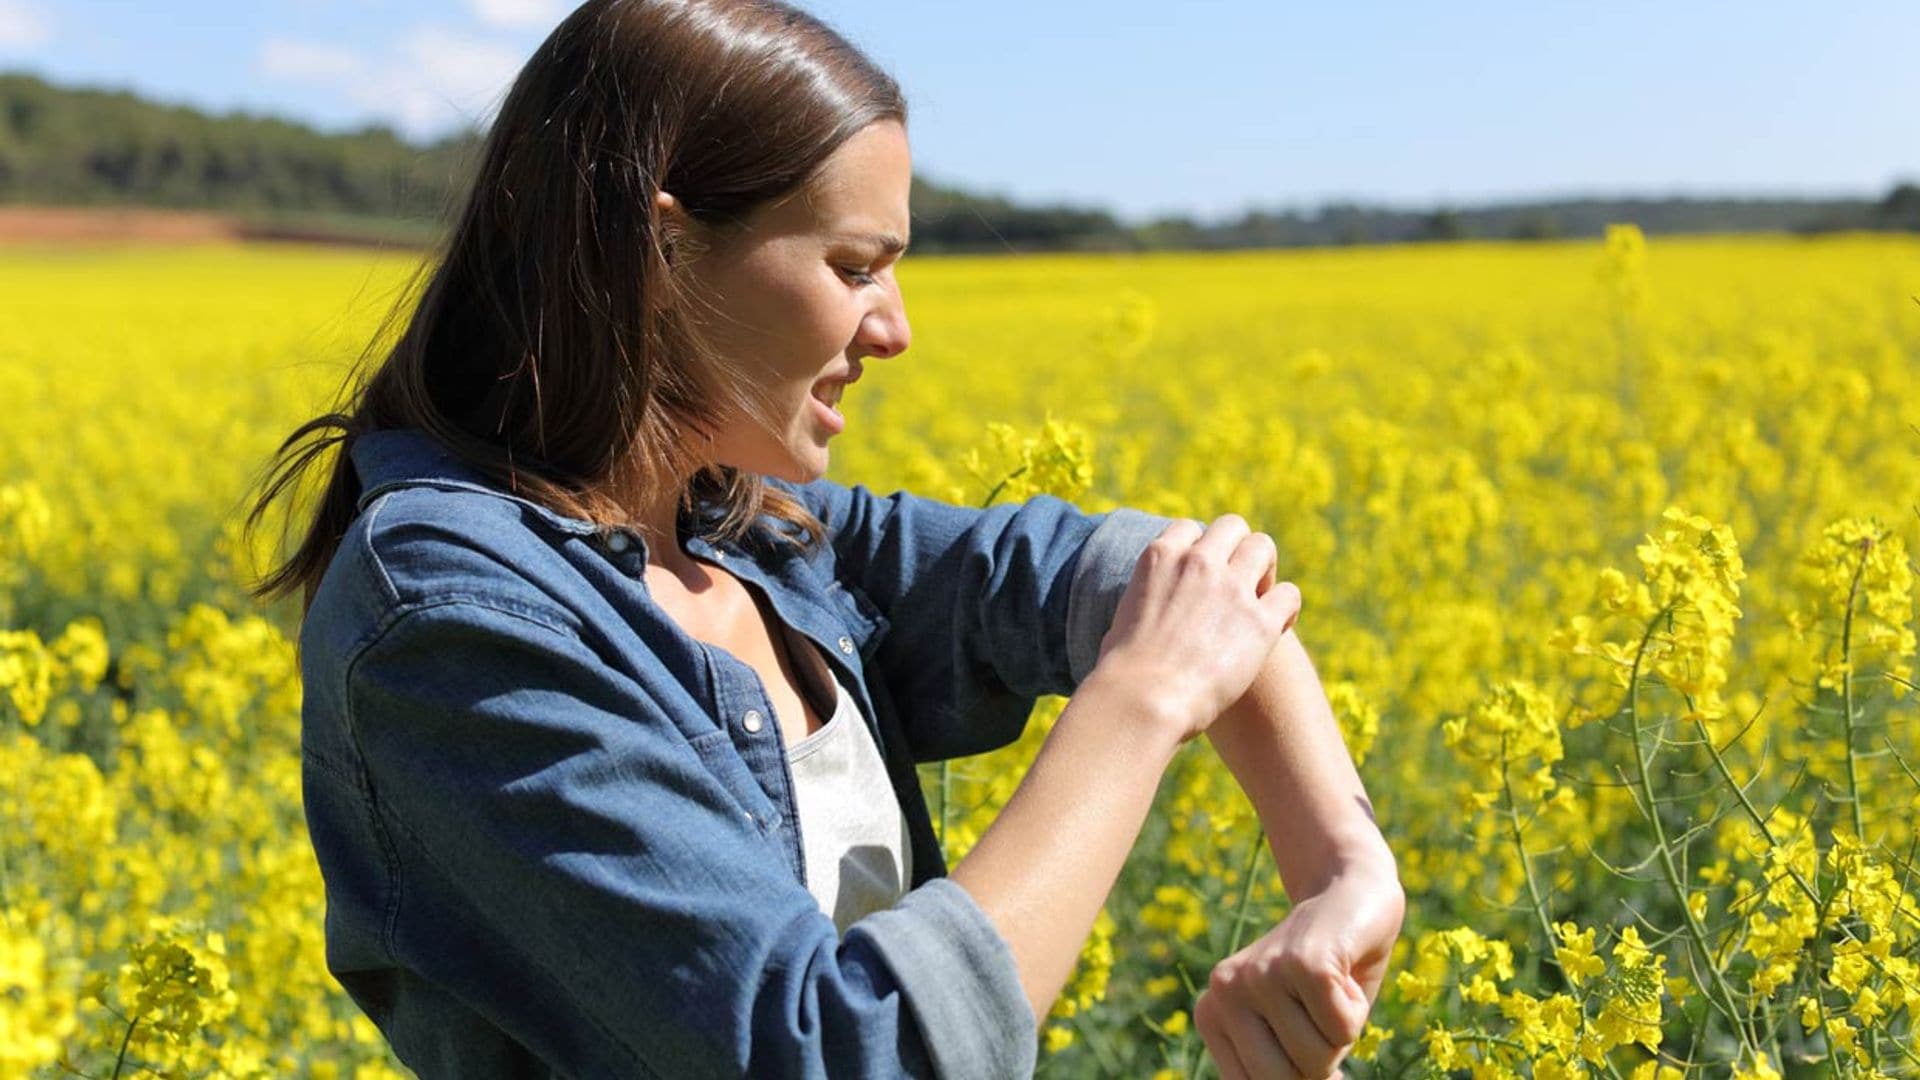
(673, 220)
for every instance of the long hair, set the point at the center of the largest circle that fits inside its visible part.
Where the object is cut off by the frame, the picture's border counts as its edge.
(553, 347)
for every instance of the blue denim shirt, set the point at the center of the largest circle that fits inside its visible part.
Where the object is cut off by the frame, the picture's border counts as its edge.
(558, 833)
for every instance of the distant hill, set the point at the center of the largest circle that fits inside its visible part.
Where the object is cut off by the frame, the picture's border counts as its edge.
(91, 147)
(82, 146)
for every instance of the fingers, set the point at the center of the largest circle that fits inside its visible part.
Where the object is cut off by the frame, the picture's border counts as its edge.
(1206, 1020)
(1230, 540)
(1250, 556)
(1242, 1043)
(1255, 557)
(1336, 1014)
(1305, 1046)
(1296, 1026)
(1284, 601)
(1180, 533)
(1167, 548)
(1222, 537)
(1259, 1049)
(1311, 1010)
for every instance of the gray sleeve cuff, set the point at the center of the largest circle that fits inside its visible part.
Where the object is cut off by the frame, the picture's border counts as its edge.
(1106, 565)
(959, 977)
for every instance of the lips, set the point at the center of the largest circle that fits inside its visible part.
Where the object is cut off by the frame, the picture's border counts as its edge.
(828, 393)
(829, 390)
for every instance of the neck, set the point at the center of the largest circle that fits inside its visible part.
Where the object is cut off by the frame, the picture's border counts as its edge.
(653, 512)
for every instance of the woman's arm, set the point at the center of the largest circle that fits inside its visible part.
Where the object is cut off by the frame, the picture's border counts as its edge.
(1298, 996)
(1190, 633)
(1048, 861)
(1281, 742)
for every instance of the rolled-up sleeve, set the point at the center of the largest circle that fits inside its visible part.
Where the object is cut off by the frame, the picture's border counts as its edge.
(1100, 578)
(561, 858)
(988, 608)
(933, 932)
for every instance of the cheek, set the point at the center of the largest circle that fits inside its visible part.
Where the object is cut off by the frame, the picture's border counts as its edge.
(817, 323)
(803, 319)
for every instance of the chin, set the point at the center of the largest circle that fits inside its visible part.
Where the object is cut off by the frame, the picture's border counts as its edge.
(804, 468)
(797, 462)
(813, 469)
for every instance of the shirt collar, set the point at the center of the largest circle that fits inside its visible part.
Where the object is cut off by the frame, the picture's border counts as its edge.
(402, 457)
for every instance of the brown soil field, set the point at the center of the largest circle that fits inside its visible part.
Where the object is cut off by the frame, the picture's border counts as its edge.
(21, 224)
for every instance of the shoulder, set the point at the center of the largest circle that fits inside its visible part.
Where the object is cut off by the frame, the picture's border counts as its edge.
(418, 546)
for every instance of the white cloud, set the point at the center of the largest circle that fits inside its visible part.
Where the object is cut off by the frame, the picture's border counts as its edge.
(471, 71)
(518, 14)
(309, 61)
(434, 79)
(23, 25)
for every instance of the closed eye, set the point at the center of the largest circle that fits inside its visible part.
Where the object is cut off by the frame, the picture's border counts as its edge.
(860, 276)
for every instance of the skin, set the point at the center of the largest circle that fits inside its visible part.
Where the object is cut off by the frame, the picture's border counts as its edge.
(799, 298)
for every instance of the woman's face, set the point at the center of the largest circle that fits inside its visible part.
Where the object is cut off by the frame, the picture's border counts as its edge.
(804, 294)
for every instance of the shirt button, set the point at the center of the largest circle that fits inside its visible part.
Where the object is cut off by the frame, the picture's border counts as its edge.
(751, 721)
(617, 543)
(846, 644)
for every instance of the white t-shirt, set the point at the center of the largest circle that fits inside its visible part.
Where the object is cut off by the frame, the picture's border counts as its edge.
(851, 826)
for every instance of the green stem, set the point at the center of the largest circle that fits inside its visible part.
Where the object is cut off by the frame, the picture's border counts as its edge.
(1108, 1065)
(944, 775)
(120, 1061)
(6, 889)
(1846, 695)
(1853, 775)
(1759, 820)
(1246, 889)
(1519, 846)
(1001, 486)
(1694, 929)
(1239, 923)
(1526, 867)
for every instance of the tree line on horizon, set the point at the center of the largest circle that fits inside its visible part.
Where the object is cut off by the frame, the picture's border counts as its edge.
(83, 146)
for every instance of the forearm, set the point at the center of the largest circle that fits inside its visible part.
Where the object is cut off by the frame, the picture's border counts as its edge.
(1044, 867)
(1282, 744)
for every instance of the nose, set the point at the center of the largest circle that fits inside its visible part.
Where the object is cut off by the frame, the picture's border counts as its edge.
(884, 332)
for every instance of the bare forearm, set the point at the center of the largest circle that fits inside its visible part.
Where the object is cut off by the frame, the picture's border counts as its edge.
(1281, 742)
(1044, 867)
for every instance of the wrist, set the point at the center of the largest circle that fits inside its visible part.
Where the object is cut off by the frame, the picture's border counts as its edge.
(1361, 854)
(1149, 711)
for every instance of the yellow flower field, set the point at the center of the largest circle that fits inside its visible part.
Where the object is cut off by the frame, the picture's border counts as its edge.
(1604, 550)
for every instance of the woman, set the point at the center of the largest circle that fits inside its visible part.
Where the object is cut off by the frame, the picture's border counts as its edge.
(613, 702)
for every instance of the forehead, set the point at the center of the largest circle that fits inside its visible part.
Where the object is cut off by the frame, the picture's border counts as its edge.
(862, 187)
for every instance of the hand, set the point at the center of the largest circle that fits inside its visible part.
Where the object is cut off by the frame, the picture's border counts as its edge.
(1198, 619)
(1291, 1005)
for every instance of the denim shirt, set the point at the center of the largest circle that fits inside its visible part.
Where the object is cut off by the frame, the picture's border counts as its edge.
(558, 834)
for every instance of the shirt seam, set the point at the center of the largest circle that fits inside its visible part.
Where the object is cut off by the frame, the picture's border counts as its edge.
(372, 557)
(403, 606)
(339, 770)
(809, 744)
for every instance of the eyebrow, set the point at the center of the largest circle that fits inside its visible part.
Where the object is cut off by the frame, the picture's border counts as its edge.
(886, 241)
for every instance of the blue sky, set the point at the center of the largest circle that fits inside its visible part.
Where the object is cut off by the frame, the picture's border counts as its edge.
(1204, 107)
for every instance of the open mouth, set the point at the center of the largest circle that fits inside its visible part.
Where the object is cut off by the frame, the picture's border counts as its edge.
(826, 398)
(828, 394)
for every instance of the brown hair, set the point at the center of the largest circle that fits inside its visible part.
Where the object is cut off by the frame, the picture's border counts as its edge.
(552, 347)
